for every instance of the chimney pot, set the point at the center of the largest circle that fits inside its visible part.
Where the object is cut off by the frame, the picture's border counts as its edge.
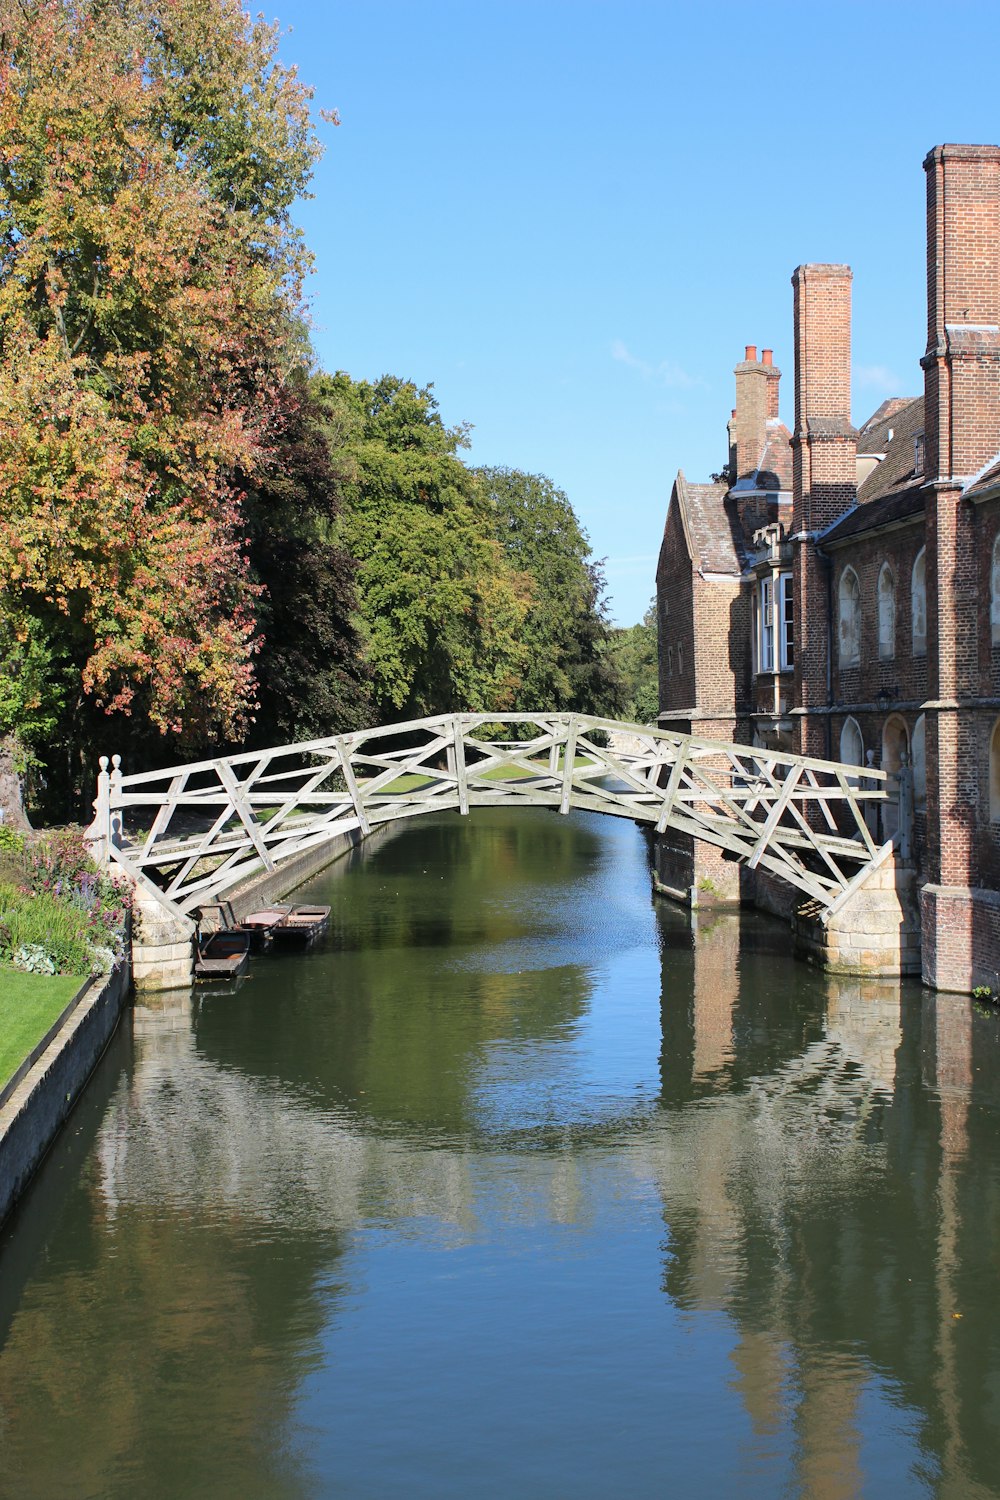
(767, 356)
(751, 354)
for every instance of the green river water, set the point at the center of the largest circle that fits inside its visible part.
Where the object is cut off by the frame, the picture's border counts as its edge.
(518, 1185)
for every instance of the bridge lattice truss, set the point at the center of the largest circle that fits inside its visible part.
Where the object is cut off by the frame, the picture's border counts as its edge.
(190, 833)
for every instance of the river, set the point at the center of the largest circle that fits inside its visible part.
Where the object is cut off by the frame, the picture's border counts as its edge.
(518, 1185)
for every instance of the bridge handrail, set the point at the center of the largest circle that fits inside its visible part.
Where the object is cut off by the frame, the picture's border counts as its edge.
(766, 807)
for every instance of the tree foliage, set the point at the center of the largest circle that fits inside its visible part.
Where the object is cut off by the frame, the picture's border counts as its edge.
(442, 608)
(311, 678)
(565, 630)
(149, 277)
(633, 652)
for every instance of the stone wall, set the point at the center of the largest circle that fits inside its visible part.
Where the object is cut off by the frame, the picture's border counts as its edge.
(34, 1110)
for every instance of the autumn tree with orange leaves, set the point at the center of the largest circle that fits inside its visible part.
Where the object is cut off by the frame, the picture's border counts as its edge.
(150, 286)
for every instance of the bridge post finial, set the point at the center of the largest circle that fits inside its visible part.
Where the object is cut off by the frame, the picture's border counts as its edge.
(98, 835)
(116, 830)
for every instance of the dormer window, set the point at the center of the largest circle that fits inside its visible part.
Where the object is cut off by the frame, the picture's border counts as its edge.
(918, 453)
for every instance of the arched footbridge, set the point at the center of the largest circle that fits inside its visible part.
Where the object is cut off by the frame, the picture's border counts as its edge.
(189, 833)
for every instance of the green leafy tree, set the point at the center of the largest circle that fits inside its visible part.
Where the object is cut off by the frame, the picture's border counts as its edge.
(566, 629)
(311, 678)
(442, 608)
(150, 151)
(633, 653)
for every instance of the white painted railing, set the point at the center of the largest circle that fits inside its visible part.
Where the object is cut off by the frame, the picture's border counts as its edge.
(188, 833)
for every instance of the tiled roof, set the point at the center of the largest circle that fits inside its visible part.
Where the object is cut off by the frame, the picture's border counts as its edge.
(899, 506)
(775, 471)
(988, 480)
(710, 526)
(903, 417)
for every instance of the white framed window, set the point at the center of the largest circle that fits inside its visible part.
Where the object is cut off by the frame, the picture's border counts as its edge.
(787, 623)
(886, 614)
(849, 619)
(767, 624)
(995, 593)
(774, 609)
(918, 603)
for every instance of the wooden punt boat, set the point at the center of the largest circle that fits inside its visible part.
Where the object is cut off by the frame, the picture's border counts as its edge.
(301, 924)
(221, 954)
(261, 924)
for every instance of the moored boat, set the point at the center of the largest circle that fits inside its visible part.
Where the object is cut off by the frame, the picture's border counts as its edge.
(301, 924)
(221, 954)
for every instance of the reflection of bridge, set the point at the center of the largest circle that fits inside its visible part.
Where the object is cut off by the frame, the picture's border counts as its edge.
(189, 833)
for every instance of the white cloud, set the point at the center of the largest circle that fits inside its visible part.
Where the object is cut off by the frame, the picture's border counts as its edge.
(877, 378)
(665, 373)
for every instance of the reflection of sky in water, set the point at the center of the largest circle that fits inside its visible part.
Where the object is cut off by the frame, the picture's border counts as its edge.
(605, 1066)
(464, 1222)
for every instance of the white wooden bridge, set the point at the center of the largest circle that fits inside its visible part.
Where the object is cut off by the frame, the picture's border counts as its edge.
(189, 833)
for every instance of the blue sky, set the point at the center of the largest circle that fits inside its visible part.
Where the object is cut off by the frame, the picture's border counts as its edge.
(571, 216)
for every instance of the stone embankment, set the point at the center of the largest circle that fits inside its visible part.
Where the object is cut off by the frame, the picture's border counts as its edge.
(36, 1101)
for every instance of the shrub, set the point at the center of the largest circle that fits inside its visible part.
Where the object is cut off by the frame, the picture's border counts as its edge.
(62, 915)
(10, 839)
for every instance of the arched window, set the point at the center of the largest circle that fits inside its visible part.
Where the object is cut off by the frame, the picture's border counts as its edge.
(995, 592)
(919, 603)
(920, 763)
(849, 635)
(886, 614)
(852, 746)
(995, 773)
(895, 744)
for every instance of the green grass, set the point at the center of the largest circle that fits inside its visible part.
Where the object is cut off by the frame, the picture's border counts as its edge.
(413, 780)
(29, 1003)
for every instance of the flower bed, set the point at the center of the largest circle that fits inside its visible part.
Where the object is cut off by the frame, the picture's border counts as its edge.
(59, 914)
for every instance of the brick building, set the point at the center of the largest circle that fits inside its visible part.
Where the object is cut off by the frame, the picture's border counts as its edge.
(837, 592)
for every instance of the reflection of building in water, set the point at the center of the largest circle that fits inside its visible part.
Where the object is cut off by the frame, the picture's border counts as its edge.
(829, 1203)
(716, 960)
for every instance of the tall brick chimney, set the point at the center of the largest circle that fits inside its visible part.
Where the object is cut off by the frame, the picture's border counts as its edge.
(824, 444)
(773, 381)
(749, 422)
(962, 363)
(962, 433)
(824, 452)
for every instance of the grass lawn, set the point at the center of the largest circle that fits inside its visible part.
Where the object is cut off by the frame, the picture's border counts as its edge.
(29, 1003)
(411, 781)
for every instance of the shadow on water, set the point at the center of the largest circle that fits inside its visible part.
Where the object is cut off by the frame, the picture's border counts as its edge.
(518, 1183)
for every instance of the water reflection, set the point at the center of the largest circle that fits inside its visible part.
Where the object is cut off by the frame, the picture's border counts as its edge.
(543, 1187)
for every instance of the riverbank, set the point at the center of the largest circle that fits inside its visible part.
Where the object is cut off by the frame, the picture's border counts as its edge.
(29, 1005)
(38, 1097)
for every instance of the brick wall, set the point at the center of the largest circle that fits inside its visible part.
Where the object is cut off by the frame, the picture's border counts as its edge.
(824, 449)
(675, 616)
(962, 362)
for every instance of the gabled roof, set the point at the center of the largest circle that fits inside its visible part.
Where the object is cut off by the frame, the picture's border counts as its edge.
(775, 469)
(890, 431)
(901, 505)
(709, 526)
(986, 482)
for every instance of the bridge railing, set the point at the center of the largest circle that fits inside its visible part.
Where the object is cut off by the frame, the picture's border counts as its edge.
(190, 832)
